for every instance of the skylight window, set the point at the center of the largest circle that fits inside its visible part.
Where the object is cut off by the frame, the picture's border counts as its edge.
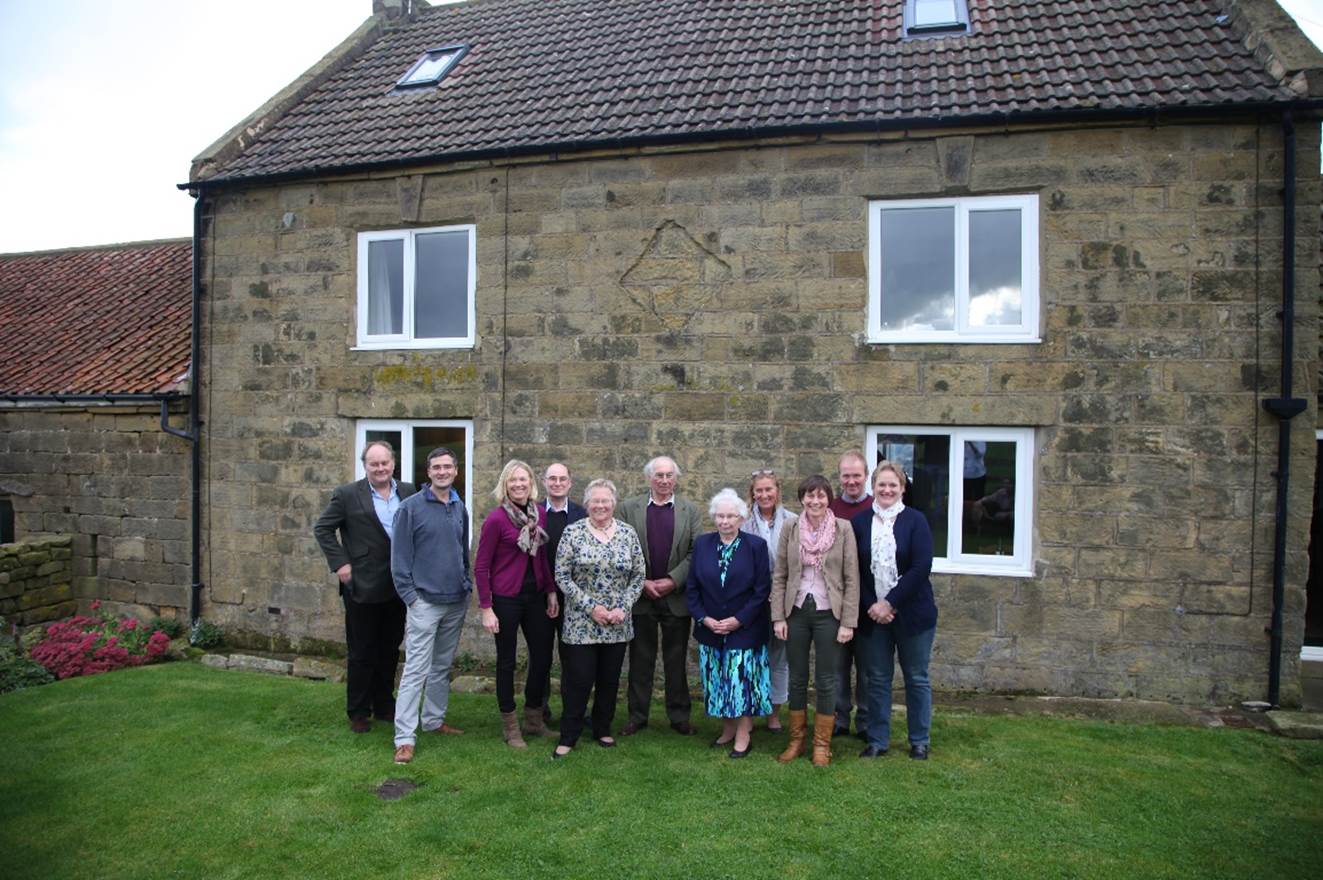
(432, 66)
(935, 17)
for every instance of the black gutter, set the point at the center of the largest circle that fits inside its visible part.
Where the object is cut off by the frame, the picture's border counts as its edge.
(195, 420)
(1153, 115)
(1284, 408)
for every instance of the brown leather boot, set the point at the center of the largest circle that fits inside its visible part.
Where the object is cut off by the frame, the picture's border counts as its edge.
(510, 731)
(534, 722)
(822, 727)
(798, 730)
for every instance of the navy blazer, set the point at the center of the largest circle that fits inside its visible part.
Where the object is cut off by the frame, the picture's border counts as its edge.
(748, 586)
(348, 531)
(912, 597)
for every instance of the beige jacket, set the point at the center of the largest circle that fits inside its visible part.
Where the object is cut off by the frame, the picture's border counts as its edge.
(840, 571)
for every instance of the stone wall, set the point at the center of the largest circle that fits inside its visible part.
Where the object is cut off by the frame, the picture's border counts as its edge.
(36, 580)
(114, 480)
(712, 305)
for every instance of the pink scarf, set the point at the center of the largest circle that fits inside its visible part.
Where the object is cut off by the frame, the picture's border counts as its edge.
(813, 546)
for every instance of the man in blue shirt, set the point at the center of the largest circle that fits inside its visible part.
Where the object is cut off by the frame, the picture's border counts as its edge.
(433, 575)
(354, 533)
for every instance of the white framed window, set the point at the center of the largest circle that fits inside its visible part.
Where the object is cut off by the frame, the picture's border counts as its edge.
(935, 17)
(974, 486)
(416, 288)
(412, 439)
(432, 66)
(953, 270)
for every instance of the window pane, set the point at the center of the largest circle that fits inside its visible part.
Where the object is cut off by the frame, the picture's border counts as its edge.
(918, 269)
(934, 12)
(988, 523)
(431, 68)
(427, 439)
(927, 462)
(994, 268)
(386, 287)
(441, 285)
(391, 437)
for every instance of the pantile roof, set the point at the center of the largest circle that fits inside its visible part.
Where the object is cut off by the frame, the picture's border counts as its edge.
(563, 74)
(100, 320)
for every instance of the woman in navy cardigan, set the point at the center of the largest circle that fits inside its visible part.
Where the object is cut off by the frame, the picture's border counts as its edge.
(729, 582)
(895, 559)
(516, 591)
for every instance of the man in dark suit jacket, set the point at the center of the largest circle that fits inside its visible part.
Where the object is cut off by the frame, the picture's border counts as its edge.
(561, 511)
(666, 527)
(354, 534)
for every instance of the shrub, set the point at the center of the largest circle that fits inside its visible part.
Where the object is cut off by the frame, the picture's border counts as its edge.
(205, 635)
(18, 672)
(171, 626)
(85, 645)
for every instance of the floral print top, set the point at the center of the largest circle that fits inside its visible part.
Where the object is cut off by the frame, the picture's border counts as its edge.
(591, 573)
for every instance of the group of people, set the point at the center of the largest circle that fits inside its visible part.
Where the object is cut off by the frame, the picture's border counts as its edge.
(843, 586)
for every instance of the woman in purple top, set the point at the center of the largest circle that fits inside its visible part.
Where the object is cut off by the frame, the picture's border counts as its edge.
(515, 591)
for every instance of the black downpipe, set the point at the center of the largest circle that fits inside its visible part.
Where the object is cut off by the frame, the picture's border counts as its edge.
(195, 418)
(1284, 408)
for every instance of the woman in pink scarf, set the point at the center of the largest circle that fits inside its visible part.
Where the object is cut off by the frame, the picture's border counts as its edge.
(815, 605)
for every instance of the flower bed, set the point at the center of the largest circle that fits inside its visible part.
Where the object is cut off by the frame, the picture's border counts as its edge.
(85, 645)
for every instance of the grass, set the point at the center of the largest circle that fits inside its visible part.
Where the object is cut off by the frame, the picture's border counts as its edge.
(184, 771)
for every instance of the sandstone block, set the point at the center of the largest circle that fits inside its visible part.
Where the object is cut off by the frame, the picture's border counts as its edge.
(260, 664)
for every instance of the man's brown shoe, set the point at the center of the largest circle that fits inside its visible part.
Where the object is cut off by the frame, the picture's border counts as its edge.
(632, 727)
(447, 729)
(404, 754)
(360, 724)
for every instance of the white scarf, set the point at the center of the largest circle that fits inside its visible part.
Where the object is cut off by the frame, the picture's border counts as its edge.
(883, 543)
(756, 524)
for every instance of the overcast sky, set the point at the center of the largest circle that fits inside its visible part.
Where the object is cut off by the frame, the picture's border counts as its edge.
(104, 104)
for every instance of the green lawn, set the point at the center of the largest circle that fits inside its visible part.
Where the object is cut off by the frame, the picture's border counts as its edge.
(183, 771)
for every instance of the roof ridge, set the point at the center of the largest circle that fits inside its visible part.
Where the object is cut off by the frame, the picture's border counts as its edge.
(1278, 43)
(113, 246)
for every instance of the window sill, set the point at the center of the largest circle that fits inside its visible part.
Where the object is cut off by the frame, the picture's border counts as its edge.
(943, 566)
(948, 339)
(408, 345)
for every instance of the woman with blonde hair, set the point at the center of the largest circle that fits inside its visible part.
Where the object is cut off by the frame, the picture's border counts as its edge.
(900, 619)
(515, 591)
(815, 606)
(767, 519)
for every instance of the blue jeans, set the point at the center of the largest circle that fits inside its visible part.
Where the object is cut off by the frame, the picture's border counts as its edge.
(880, 648)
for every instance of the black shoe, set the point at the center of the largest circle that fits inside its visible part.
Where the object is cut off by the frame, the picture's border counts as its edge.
(872, 752)
(606, 743)
(736, 753)
(632, 727)
(861, 735)
(919, 753)
(684, 728)
(840, 730)
(719, 742)
(556, 756)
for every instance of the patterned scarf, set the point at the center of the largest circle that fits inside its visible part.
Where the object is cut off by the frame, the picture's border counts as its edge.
(531, 536)
(883, 543)
(724, 553)
(813, 546)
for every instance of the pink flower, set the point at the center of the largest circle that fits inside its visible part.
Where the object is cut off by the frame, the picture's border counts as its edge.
(96, 603)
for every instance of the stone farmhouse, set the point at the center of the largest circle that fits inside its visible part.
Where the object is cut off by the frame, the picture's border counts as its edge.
(1060, 259)
(94, 398)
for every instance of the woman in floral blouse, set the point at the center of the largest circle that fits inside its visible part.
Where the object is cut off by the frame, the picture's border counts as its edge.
(599, 567)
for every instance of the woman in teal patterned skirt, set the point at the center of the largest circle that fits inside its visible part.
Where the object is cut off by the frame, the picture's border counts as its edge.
(730, 580)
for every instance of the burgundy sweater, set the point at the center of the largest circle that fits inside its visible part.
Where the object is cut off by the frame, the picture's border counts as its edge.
(499, 564)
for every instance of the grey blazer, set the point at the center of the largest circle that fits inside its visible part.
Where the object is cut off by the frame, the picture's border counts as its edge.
(840, 571)
(361, 541)
(688, 525)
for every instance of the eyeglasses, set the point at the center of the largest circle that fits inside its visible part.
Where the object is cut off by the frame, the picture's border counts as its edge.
(764, 472)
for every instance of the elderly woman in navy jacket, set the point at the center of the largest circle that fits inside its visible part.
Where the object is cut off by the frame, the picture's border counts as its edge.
(729, 582)
(895, 559)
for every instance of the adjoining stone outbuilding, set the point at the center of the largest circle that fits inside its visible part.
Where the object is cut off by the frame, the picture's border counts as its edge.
(1038, 257)
(96, 346)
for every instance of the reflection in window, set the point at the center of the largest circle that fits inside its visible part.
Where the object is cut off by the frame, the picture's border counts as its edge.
(918, 269)
(416, 288)
(994, 268)
(981, 520)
